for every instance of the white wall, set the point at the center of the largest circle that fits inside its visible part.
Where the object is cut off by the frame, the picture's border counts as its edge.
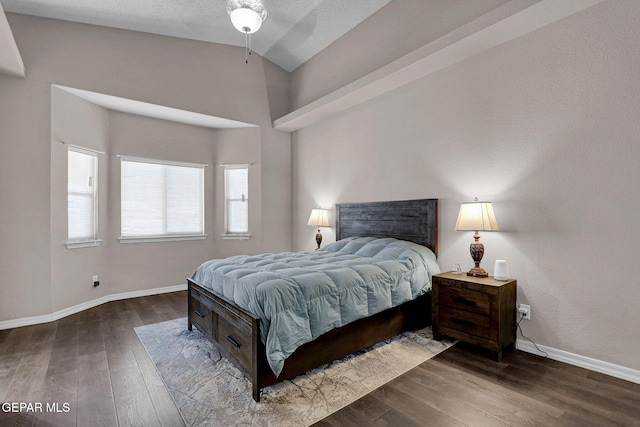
(196, 76)
(547, 128)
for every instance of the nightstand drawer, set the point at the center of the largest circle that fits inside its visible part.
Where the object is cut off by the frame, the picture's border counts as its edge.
(463, 299)
(471, 323)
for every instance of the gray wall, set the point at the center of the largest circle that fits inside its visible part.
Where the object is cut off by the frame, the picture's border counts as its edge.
(152, 265)
(395, 30)
(38, 275)
(78, 122)
(546, 127)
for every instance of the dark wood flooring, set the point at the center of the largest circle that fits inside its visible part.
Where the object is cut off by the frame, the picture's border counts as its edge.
(461, 387)
(93, 362)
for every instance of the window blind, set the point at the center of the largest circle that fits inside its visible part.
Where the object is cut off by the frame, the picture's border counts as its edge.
(161, 198)
(236, 190)
(82, 183)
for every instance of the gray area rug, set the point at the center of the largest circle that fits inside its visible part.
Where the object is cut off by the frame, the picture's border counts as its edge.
(209, 391)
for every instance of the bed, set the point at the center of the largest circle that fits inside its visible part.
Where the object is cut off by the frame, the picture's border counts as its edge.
(240, 334)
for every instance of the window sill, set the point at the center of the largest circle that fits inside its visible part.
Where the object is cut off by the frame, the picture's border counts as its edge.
(166, 238)
(75, 244)
(238, 236)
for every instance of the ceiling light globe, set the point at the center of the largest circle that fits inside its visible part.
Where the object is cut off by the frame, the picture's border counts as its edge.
(246, 20)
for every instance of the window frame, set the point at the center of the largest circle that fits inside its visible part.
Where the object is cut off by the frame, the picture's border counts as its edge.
(165, 237)
(235, 235)
(94, 240)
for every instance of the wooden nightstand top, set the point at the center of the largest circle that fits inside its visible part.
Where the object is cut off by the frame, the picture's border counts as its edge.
(489, 281)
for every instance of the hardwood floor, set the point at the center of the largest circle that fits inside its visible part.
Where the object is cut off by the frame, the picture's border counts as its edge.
(461, 387)
(94, 362)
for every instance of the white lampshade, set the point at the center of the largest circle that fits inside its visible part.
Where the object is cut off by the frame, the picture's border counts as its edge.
(318, 218)
(246, 20)
(476, 216)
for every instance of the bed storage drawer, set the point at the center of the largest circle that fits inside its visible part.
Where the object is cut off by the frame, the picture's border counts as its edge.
(200, 309)
(233, 331)
(234, 335)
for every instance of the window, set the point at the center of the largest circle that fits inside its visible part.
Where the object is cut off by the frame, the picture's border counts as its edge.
(82, 187)
(236, 211)
(161, 200)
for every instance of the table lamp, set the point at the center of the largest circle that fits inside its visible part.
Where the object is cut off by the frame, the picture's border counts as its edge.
(476, 216)
(318, 219)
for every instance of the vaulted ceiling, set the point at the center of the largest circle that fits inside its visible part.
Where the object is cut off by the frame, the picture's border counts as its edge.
(293, 32)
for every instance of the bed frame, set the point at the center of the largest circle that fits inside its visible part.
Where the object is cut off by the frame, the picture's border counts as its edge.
(236, 333)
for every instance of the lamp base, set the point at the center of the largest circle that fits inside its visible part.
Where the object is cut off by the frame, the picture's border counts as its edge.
(477, 272)
(318, 239)
(477, 251)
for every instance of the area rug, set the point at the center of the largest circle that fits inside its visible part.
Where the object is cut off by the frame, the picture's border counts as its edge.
(209, 391)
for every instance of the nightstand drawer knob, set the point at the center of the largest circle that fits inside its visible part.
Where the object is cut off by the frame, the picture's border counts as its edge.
(464, 301)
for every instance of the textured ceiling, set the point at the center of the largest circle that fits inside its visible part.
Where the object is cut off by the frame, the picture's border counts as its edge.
(294, 31)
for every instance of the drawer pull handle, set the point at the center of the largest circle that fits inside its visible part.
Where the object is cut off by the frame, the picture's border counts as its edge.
(462, 322)
(199, 313)
(232, 341)
(464, 301)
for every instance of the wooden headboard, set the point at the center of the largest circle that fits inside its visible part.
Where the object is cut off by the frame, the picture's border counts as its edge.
(412, 220)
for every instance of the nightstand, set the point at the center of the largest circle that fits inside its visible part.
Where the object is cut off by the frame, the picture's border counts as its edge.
(477, 310)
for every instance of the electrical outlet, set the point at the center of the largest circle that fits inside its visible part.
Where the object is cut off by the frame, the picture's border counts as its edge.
(525, 310)
(96, 282)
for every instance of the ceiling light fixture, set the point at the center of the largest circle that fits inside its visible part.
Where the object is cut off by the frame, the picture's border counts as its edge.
(247, 16)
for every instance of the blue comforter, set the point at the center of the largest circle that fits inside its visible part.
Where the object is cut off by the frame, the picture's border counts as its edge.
(299, 296)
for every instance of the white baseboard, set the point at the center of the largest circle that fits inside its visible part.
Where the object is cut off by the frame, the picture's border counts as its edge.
(147, 292)
(45, 318)
(606, 368)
